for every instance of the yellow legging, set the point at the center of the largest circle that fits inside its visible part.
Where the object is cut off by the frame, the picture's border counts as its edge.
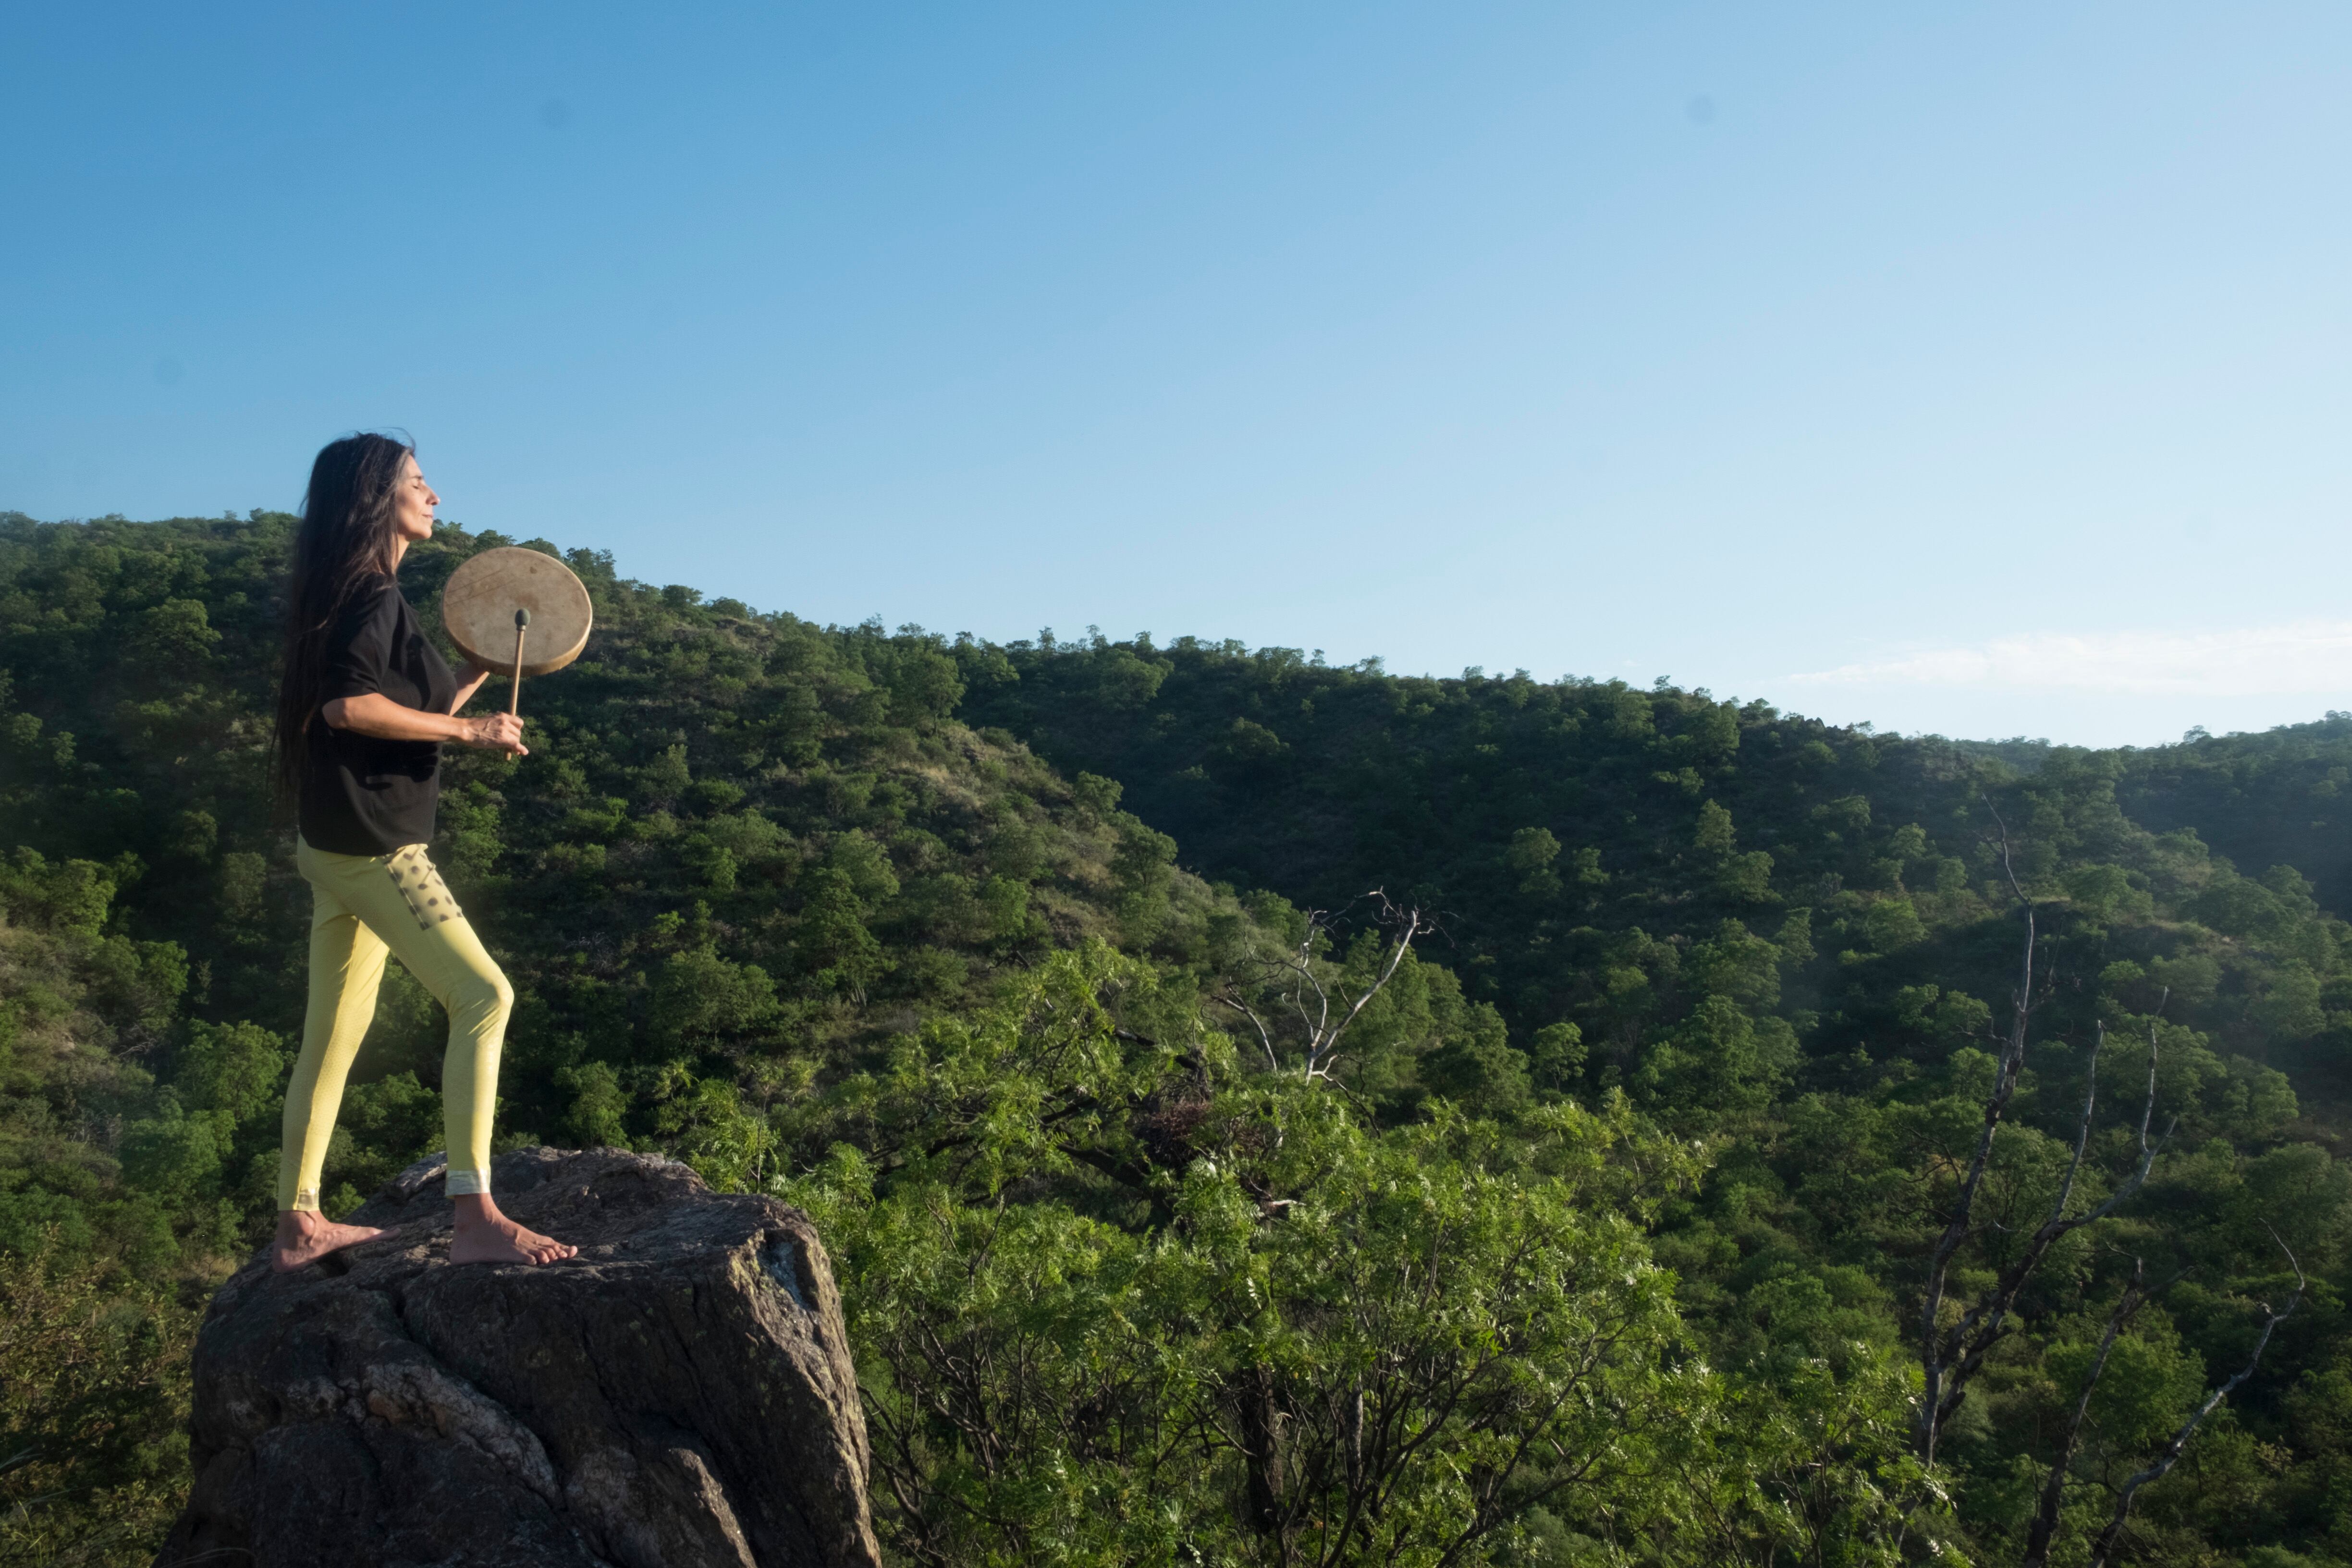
(363, 907)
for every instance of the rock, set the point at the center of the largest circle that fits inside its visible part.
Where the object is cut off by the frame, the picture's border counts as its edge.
(678, 1394)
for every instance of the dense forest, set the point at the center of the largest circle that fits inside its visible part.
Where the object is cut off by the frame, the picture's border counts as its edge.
(1261, 1111)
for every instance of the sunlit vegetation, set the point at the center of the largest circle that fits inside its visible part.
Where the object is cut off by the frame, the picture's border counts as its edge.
(1597, 1233)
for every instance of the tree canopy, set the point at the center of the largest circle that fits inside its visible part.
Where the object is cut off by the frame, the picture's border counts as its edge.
(1261, 1111)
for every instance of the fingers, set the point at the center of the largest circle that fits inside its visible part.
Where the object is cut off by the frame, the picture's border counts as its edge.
(500, 732)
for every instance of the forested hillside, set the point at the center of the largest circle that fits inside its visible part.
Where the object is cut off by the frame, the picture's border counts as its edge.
(1564, 831)
(1599, 1232)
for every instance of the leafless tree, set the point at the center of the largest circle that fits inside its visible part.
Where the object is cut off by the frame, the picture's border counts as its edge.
(1950, 1356)
(1304, 993)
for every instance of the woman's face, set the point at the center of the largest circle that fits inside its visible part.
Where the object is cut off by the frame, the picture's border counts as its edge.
(412, 507)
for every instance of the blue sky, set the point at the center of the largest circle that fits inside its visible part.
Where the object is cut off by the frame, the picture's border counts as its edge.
(1981, 369)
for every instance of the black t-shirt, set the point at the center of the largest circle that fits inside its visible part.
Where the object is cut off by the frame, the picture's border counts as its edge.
(363, 796)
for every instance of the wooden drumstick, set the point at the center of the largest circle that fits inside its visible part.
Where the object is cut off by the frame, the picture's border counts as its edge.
(514, 698)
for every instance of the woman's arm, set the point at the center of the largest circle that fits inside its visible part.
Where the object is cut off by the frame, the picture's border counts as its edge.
(469, 680)
(378, 715)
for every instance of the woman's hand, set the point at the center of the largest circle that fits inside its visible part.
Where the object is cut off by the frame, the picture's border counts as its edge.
(494, 732)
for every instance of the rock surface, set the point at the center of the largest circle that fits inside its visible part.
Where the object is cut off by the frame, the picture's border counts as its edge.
(680, 1394)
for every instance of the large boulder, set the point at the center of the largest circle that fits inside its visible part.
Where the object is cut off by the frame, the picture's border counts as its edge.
(680, 1394)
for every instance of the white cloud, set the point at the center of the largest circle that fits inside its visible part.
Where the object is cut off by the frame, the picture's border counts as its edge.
(2312, 658)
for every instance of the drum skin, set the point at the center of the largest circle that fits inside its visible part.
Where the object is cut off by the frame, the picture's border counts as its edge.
(479, 604)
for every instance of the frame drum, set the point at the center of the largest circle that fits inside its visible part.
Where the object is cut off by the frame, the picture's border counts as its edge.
(479, 604)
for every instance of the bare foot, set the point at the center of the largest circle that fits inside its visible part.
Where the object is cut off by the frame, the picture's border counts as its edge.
(305, 1236)
(483, 1235)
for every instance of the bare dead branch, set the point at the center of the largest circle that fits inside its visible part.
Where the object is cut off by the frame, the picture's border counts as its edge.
(2082, 1130)
(1311, 995)
(1936, 1359)
(2045, 1515)
(1985, 1324)
(1265, 1041)
(2169, 1456)
(1952, 1358)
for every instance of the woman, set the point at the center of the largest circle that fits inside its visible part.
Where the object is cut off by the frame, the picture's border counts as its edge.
(363, 704)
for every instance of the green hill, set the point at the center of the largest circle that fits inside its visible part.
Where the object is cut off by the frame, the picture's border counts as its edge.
(1577, 833)
(969, 949)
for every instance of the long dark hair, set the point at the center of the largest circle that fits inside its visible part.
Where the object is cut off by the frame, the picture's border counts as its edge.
(344, 543)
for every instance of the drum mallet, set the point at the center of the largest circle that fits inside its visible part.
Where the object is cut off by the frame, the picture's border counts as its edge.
(514, 698)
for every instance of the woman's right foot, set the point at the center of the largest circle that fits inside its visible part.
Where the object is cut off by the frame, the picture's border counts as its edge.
(483, 1235)
(305, 1236)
